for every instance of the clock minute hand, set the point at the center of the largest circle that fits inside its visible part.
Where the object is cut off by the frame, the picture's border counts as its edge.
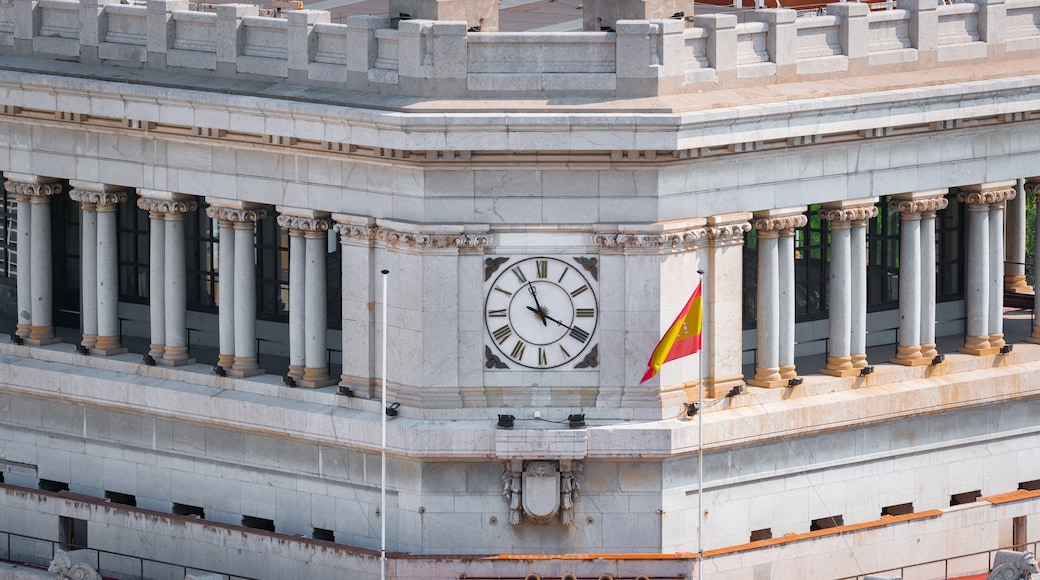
(540, 311)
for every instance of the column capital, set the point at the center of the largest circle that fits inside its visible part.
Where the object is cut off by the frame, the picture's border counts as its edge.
(728, 228)
(304, 224)
(987, 193)
(33, 187)
(1032, 185)
(846, 215)
(107, 197)
(236, 214)
(779, 223)
(167, 204)
(908, 207)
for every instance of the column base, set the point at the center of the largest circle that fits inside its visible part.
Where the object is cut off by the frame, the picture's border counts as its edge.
(928, 351)
(909, 356)
(768, 378)
(41, 336)
(175, 356)
(245, 367)
(859, 361)
(296, 372)
(1017, 284)
(89, 340)
(315, 378)
(107, 346)
(840, 366)
(987, 351)
(997, 340)
(225, 361)
(23, 330)
(156, 351)
(364, 388)
(717, 387)
(976, 345)
(165, 362)
(1035, 338)
(788, 372)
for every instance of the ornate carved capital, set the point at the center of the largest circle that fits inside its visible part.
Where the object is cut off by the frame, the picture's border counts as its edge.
(911, 206)
(353, 233)
(167, 206)
(776, 224)
(1032, 186)
(728, 232)
(234, 214)
(292, 222)
(24, 189)
(652, 240)
(986, 197)
(88, 197)
(849, 214)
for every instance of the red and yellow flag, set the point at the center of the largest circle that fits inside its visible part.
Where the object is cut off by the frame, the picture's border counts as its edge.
(683, 337)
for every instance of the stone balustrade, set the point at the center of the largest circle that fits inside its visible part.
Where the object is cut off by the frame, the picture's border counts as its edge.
(445, 58)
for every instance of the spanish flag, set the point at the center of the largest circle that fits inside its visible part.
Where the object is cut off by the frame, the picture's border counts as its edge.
(683, 337)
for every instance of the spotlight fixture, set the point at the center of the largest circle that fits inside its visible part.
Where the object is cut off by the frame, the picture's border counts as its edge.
(82, 350)
(16, 339)
(1007, 348)
(938, 360)
(219, 371)
(576, 421)
(289, 381)
(148, 360)
(391, 411)
(735, 391)
(795, 381)
(506, 421)
(866, 371)
(691, 409)
(345, 391)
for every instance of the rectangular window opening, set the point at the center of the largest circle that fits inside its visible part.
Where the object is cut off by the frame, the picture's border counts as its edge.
(966, 497)
(182, 509)
(897, 510)
(827, 522)
(258, 523)
(121, 498)
(1019, 533)
(51, 485)
(324, 535)
(72, 533)
(763, 534)
(1033, 485)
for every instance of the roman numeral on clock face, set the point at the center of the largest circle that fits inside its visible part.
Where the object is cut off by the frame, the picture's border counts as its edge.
(500, 313)
(579, 290)
(519, 274)
(502, 333)
(541, 356)
(579, 334)
(518, 350)
(543, 268)
(585, 312)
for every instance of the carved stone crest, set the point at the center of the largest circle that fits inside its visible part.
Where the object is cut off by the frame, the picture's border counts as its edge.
(538, 490)
(63, 568)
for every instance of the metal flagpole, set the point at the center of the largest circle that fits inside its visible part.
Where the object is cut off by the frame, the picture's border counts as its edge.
(382, 461)
(700, 437)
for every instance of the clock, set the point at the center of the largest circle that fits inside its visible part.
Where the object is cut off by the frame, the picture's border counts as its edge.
(541, 312)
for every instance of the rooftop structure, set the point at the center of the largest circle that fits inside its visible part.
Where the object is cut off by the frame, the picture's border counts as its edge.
(199, 206)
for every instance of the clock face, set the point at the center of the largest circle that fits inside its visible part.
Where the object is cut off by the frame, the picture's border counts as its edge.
(541, 313)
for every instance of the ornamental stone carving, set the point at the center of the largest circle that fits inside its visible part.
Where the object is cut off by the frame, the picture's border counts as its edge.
(651, 240)
(539, 490)
(63, 567)
(167, 206)
(235, 214)
(88, 197)
(777, 224)
(24, 189)
(849, 214)
(728, 232)
(392, 238)
(1032, 186)
(1011, 565)
(306, 224)
(986, 197)
(925, 206)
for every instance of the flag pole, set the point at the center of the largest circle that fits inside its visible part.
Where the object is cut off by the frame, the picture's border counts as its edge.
(382, 459)
(700, 440)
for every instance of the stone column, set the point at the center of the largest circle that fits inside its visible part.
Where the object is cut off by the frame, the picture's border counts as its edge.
(357, 236)
(996, 270)
(88, 264)
(308, 312)
(983, 278)
(911, 279)
(225, 290)
(846, 304)
(723, 302)
(176, 294)
(156, 276)
(1032, 186)
(38, 276)
(108, 275)
(24, 262)
(242, 304)
(926, 204)
(1015, 242)
(775, 301)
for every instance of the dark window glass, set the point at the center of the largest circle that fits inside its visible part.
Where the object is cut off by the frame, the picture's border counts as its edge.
(202, 258)
(133, 224)
(811, 256)
(950, 250)
(749, 295)
(883, 258)
(272, 244)
(65, 253)
(334, 281)
(8, 237)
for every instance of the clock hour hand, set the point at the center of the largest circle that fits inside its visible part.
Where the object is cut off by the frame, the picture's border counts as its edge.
(547, 317)
(539, 311)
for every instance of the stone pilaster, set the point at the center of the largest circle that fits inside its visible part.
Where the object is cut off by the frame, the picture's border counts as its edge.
(357, 239)
(914, 349)
(775, 298)
(1015, 242)
(37, 191)
(243, 218)
(844, 312)
(983, 278)
(723, 302)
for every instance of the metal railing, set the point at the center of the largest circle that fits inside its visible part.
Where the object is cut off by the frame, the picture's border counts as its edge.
(962, 566)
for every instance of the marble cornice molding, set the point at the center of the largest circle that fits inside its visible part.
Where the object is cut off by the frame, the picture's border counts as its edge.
(780, 223)
(987, 196)
(89, 197)
(354, 234)
(640, 240)
(26, 189)
(919, 206)
(167, 206)
(235, 214)
(304, 224)
(849, 214)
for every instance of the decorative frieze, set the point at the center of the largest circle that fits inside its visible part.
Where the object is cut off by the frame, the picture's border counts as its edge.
(392, 238)
(652, 240)
(235, 214)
